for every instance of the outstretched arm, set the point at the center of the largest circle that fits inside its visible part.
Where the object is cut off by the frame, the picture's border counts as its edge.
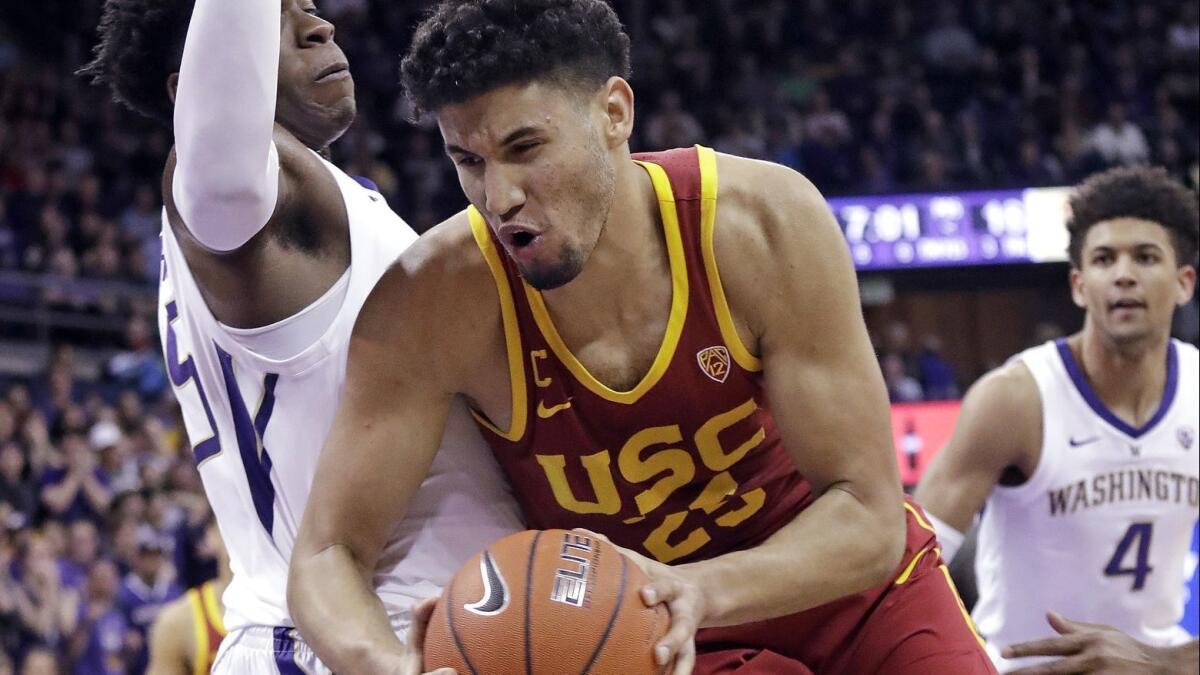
(226, 181)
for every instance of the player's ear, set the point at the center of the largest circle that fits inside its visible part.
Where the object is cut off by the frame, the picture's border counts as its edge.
(172, 86)
(1077, 288)
(1187, 285)
(616, 99)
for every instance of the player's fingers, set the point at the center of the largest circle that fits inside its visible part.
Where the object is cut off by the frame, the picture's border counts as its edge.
(1066, 645)
(686, 661)
(422, 611)
(1075, 664)
(685, 621)
(1066, 626)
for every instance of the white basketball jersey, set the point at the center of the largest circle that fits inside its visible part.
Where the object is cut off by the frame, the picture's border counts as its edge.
(1101, 531)
(257, 426)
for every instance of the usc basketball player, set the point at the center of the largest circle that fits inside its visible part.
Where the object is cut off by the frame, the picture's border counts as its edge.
(666, 349)
(187, 633)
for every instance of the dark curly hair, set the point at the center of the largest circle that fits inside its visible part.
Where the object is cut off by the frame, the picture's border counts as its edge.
(140, 45)
(1143, 192)
(470, 47)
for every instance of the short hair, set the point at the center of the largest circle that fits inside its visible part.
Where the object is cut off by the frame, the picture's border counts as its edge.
(466, 48)
(140, 45)
(1143, 192)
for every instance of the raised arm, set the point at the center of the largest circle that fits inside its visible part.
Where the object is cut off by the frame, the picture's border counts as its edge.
(226, 181)
(400, 381)
(999, 427)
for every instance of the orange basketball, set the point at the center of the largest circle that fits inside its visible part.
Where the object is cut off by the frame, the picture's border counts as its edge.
(546, 603)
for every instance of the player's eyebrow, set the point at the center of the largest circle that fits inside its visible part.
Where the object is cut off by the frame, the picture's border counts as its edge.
(512, 137)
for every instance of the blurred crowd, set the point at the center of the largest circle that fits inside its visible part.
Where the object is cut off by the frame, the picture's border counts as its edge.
(100, 502)
(861, 95)
(101, 512)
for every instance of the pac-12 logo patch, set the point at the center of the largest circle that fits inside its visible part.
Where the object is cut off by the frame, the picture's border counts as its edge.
(714, 361)
(1186, 436)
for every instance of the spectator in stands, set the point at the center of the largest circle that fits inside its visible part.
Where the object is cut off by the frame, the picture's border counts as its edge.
(146, 588)
(937, 375)
(139, 366)
(78, 488)
(47, 611)
(18, 499)
(1117, 139)
(83, 549)
(103, 644)
(901, 386)
(40, 661)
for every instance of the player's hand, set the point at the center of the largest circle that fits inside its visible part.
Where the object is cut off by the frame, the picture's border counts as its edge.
(415, 645)
(1089, 648)
(682, 599)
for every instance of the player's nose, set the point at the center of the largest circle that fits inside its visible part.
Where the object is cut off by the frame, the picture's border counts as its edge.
(503, 196)
(316, 31)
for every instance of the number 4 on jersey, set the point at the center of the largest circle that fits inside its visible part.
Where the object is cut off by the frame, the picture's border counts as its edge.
(1138, 534)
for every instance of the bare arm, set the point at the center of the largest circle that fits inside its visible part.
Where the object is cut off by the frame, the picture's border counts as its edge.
(999, 426)
(227, 179)
(791, 277)
(400, 379)
(170, 637)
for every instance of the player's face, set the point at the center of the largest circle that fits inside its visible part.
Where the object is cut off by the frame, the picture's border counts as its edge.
(1129, 281)
(536, 161)
(316, 92)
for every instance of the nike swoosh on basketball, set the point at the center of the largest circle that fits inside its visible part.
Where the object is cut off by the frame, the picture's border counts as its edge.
(495, 591)
(1086, 441)
(546, 413)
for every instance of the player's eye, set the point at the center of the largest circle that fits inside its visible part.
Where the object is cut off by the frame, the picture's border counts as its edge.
(467, 161)
(1148, 258)
(525, 148)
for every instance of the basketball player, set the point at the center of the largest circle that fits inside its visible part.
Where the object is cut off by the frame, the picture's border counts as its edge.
(185, 636)
(626, 386)
(268, 253)
(1082, 452)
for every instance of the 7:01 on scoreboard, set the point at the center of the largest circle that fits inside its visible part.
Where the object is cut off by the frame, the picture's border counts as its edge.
(950, 229)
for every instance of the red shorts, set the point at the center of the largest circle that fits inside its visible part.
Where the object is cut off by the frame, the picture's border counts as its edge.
(914, 625)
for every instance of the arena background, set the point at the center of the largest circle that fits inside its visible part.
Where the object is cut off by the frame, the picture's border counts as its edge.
(938, 129)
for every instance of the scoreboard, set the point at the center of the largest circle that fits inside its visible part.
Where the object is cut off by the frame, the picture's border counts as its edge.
(952, 229)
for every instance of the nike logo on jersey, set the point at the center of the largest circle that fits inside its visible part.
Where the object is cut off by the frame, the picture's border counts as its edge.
(1087, 441)
(546, 413)
(495, 591)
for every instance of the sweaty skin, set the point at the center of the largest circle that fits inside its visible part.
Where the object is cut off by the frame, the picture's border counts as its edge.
(792, 290)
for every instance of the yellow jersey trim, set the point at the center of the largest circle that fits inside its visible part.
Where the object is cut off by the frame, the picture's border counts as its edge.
(708, 220)
(912, 564)
(211, 607)
(917, 516)
(679, 303)
(961, 607)
(200, 663)
(512, 331)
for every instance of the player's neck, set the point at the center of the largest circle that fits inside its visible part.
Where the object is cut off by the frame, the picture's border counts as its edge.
(1129, 379)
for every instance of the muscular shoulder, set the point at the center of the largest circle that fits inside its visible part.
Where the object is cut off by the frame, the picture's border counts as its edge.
(440, 295)
(1001, 418)
(774, 239)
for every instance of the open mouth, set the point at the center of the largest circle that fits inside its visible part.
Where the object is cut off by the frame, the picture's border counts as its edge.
(518, 237)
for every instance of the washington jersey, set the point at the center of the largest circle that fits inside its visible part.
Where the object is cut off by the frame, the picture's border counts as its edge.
(686, 465)
(257, 425)
(1101, 531)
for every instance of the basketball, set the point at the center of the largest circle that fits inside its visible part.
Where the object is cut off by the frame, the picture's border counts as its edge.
(546, 603)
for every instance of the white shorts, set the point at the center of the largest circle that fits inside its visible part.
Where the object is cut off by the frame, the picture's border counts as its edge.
(262, 650)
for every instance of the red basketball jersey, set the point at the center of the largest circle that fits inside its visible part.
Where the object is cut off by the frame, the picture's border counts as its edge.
(688, 464)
